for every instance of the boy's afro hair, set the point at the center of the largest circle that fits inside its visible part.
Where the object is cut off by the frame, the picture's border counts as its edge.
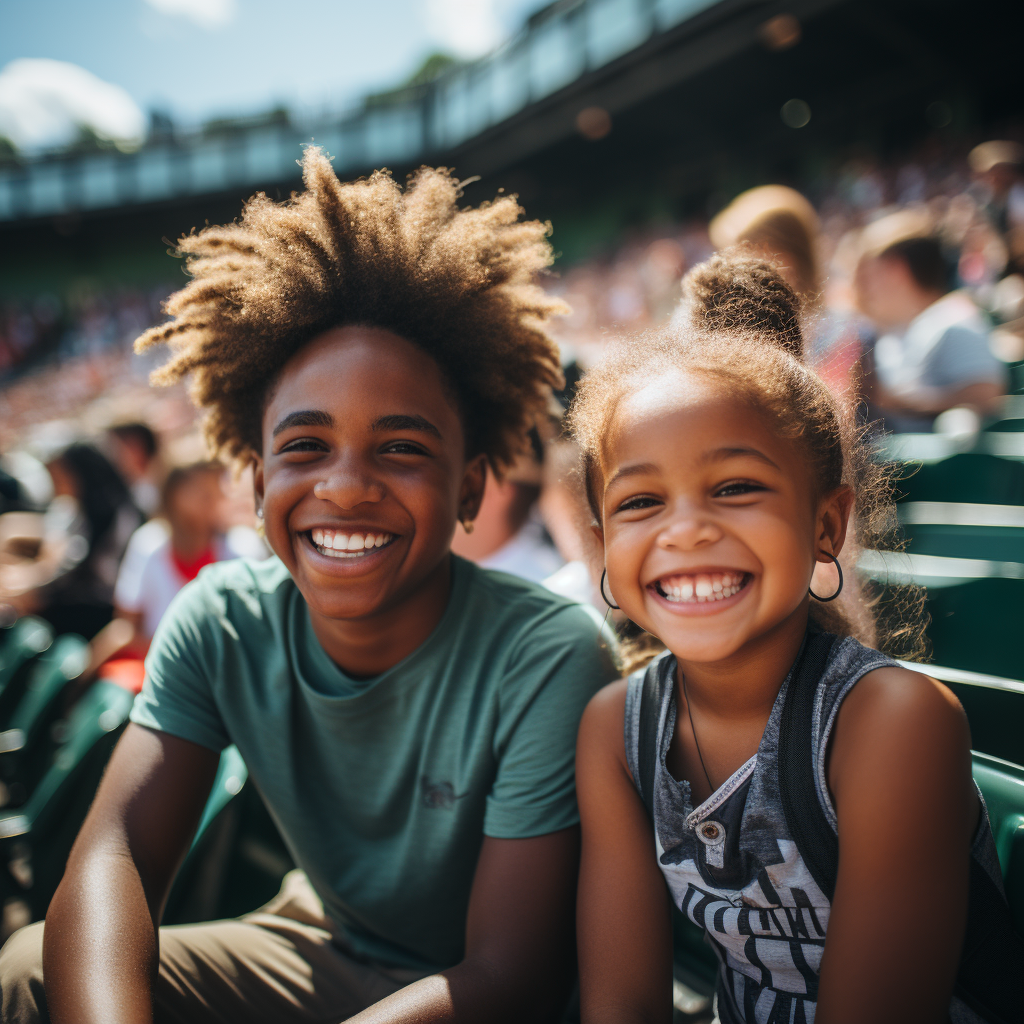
(460, 284)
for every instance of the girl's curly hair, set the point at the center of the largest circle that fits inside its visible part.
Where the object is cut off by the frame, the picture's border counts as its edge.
(740, 322)
(459, 283)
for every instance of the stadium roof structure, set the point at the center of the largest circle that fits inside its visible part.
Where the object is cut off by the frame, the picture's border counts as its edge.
(634, 44)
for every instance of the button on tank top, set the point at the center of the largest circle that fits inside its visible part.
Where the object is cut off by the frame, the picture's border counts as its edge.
(732, 866)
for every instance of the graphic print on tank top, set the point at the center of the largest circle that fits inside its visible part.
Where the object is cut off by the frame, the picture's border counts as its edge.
(731, 864)
(734, 871)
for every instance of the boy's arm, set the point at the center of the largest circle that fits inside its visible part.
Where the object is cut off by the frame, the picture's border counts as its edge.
(519, 941)
(100, 953)
(900, 774)
(623, 920)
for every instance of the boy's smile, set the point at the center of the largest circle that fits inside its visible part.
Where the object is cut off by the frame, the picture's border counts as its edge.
(363, 477)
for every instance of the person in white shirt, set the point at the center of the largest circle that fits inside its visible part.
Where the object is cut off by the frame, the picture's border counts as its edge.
(932, 352)
(165, 554)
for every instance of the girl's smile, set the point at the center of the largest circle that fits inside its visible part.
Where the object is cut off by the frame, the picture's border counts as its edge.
(702, 591)
(711, 520)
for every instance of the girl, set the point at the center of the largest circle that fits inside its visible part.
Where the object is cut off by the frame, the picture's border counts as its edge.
(723, 478)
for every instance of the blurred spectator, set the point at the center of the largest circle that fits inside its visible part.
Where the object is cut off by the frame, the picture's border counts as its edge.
(932, 353)
(998, 186)
(509, 532)
(164, 555)
(100, 517)
(782, 225)
(135, 449)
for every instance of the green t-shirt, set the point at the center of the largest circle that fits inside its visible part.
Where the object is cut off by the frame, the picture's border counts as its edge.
(383, 789)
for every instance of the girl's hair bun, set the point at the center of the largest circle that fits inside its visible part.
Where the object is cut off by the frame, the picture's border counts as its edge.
(736, 290)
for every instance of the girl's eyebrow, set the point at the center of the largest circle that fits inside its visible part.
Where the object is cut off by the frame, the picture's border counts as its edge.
(305, 418)
(737, 451)
(637, 469)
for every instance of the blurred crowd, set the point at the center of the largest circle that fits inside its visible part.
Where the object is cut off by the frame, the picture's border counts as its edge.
(913, 280)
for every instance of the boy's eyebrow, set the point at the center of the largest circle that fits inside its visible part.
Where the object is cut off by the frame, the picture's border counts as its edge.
(736, 451)
(305, 418)
(398, 421)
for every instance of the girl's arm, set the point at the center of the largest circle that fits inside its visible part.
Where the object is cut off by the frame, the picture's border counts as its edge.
(622, 914)
(900, 774)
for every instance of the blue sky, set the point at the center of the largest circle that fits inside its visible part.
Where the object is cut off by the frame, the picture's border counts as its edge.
(202, 58)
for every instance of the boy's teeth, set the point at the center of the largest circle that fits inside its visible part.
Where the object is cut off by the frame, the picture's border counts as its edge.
(346, 545)
(701, 588)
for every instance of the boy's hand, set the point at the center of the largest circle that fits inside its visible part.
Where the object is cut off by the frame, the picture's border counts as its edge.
(100, 952)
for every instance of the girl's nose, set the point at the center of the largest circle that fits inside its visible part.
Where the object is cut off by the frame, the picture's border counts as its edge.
(347, 484)
(688, 530)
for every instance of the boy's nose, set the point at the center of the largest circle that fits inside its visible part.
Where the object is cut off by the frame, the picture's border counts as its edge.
(347, 485)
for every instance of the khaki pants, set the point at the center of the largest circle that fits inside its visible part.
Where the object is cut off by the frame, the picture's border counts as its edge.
(285, 962)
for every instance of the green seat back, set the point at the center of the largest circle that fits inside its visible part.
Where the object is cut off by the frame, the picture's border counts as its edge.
(65, 660)
(1014, 426)
(231, 776)
(977, 625)
(969, 477)
(98, 716)
(951, 540)
(19, 644)
(1002, 785)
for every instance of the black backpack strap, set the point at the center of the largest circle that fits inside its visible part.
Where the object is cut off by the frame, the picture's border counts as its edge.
(815, 839)
(647, 747)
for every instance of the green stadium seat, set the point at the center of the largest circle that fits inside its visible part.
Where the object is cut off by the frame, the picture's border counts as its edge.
(231, 776)
(964, 530)
(1002, 785)
(36, 840)
(27, 638)
(25, 742)
(973, 477)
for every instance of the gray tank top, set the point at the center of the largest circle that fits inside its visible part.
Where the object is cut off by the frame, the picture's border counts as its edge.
(734, 870)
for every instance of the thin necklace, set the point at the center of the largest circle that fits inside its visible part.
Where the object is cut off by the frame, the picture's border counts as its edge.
(696, 743)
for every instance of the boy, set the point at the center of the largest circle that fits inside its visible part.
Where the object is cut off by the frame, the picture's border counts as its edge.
(408, 718)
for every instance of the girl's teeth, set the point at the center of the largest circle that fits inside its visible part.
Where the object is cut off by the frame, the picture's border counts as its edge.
(702, 588)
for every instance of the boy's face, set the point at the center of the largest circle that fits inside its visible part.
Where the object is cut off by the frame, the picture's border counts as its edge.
(364, 472)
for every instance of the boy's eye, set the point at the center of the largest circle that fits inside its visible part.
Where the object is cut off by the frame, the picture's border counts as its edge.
(738, 487)
(303, 444)
(641, 501)
(404, 448)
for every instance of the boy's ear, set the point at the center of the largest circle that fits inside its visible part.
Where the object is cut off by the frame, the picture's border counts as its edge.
(474, 480)
(834, 518)
(257, 480)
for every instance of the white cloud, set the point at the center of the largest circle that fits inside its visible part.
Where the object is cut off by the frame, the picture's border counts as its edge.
(44, 103)
(207, 14)
(467, 28)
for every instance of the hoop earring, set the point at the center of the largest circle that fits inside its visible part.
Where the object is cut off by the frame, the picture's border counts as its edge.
(611, 604)
(839, 569)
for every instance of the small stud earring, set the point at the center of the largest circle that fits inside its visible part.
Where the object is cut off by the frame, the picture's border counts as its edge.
(259, 513)
(467, 525)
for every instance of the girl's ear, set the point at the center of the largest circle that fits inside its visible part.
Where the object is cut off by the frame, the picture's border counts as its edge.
(833, 520)
(471, 493)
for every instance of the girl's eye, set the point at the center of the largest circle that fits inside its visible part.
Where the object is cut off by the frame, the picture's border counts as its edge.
(738, 487)
(641, 501)
(303, 444)
(404, 448)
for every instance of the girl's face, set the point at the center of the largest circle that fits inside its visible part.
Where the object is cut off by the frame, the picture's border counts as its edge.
(364, 471)
(712, 523)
